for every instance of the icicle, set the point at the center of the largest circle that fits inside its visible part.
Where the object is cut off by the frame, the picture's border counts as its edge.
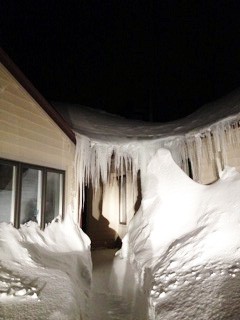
(96, 159)
(81, 159)
(192, 156)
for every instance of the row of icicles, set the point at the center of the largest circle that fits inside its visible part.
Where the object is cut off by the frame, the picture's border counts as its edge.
(95, 160)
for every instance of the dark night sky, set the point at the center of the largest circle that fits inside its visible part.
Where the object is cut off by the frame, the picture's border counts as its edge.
(148, 59)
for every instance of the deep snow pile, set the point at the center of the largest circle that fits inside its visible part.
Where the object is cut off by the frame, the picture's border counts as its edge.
(44, 274)
(183, 232)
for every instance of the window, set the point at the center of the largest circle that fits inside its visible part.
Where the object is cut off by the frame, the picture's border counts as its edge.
(30, 193)
(54, 196)
(7, 191)
(122, 200)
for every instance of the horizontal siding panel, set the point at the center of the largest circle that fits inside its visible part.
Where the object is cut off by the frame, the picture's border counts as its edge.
(18, 91)
(16, 122)
(5, 82)
(4, 73)
(21, 153)
(9, 137)
(14, 113)
(31, 134)
(26, 110)
(13, 83)
(25, 102)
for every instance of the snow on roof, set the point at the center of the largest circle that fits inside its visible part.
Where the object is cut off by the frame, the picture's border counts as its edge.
(102, 126)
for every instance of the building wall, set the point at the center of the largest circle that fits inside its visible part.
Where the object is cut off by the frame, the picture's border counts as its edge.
(28, 134)
(209, 169)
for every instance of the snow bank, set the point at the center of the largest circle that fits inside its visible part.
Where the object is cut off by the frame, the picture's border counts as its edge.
(44, 274)
(182, 226)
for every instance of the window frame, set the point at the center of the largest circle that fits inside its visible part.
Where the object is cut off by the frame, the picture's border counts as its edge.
(18, 188)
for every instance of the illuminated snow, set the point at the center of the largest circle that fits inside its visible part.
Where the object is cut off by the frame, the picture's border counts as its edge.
(185, 239)
(185, 233)
(44, 274)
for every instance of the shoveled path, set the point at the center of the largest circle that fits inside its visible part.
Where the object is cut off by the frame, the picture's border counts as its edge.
(115, 293)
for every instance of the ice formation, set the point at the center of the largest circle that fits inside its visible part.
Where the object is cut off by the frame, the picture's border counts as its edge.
(96, 157)
(44, 274)
(105, 141)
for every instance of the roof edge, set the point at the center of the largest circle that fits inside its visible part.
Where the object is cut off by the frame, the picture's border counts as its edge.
(36, 95)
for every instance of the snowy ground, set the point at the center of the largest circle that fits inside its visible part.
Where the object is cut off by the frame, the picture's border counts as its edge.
(209, 292)
(115, 293)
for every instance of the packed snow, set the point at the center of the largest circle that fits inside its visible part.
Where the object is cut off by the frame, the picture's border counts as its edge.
(186, 233)
(115, 294)
(44, 274)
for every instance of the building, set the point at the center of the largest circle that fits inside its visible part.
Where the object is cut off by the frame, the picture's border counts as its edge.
(37, 150)
(53, 161)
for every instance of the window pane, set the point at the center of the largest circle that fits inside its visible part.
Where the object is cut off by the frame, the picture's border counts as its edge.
(7, 192)
(54, 196)
(31, 195)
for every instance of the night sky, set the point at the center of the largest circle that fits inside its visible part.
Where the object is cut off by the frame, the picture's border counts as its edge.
(150, 60)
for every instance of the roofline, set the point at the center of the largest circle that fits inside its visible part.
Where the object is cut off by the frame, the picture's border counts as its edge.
(36, 95)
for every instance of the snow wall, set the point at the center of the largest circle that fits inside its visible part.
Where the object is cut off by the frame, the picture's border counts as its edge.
(185, 234)
(184, 223)
(44, 274)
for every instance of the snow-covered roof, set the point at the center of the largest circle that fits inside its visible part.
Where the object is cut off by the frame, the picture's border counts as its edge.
(102, 126)
(99, 135)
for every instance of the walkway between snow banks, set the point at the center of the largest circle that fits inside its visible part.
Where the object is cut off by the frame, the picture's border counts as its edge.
(115, 293)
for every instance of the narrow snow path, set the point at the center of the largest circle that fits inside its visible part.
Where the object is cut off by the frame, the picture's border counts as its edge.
(115, 293)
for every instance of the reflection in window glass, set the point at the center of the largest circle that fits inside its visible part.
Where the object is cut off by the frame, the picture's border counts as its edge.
(30, 209)
(7, 192)
(54, 196)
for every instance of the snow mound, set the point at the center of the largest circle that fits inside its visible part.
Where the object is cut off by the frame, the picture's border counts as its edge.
(179, 218)
(44, 274)
(185, 233)
(11, 285)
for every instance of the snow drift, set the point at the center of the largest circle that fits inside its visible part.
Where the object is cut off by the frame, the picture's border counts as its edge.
(183, 226)
(44, 274)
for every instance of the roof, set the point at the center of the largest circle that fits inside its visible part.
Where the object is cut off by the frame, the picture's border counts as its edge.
(101, 126)
(36, 95)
